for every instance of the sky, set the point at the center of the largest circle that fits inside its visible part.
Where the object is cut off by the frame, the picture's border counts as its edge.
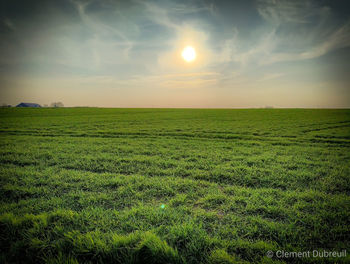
(110, 53)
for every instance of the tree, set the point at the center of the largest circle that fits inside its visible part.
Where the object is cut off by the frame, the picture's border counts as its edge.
(57, 104)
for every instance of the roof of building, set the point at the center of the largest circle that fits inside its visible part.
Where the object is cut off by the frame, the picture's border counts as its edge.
(28, 105)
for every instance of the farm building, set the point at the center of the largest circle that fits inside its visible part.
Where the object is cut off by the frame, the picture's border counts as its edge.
(28, 105)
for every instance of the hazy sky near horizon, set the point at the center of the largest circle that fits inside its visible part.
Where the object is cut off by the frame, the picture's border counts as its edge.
(128, 53)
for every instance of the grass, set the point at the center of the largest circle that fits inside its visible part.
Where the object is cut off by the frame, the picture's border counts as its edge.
(87, 185)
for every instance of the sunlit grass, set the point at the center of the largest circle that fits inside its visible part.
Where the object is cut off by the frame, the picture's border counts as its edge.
(172, 185)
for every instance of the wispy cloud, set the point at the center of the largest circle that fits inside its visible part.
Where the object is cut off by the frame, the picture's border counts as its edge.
(339, 39)
(9, 23)
(271, 76)
(159, 15)
(312, 41)
(101, 30)
(284, 11)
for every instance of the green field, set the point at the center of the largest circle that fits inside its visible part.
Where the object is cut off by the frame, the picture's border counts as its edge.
(89, 185)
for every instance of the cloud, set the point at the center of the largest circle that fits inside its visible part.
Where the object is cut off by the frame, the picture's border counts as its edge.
(163, 14)
(100, 28)
(339, 39)
(293, 31)
(271, 76)
(158, 15)
(284, 11)
(9, 23)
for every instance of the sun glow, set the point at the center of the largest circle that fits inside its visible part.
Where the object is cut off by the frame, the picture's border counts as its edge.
(189, 54)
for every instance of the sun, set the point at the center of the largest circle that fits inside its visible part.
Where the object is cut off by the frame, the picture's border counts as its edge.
(189, 54)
